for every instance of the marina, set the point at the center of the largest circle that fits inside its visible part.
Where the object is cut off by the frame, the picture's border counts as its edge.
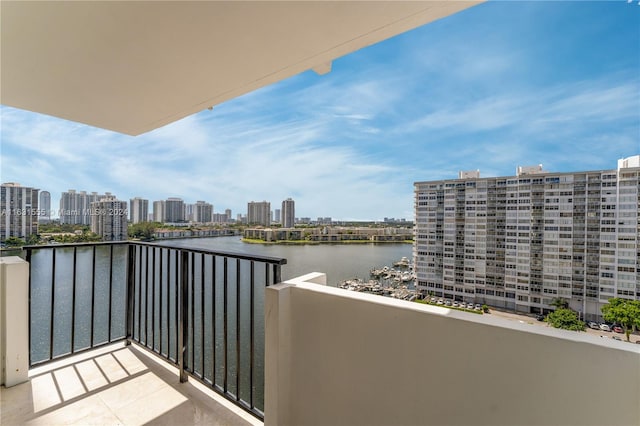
(397, 281)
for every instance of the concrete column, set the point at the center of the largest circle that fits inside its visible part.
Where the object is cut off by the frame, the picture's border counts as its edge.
(14, 320)
(277, 349)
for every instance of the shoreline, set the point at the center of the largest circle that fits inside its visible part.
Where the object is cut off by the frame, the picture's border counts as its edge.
(314, 243)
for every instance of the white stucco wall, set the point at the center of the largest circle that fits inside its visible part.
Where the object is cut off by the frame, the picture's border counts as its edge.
(342, 358)
(14, 320)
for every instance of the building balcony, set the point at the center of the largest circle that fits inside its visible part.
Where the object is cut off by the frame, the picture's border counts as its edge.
(132, 333)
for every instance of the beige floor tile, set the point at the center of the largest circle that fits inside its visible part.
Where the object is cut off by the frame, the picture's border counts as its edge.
(155, 405)
(130, 362)
(69, 383)
(91, 375)
(44, 392)
(111, 368)
(131, 390)
(69, 413)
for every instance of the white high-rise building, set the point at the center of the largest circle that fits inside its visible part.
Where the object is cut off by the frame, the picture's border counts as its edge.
(75, 207)
(202, 212)
(109, 219)
(138, 210)
(159, 211)
(174, 210)
(18, 211)
(259, 213)
(44, 206)
(519, 242)
(288, 213)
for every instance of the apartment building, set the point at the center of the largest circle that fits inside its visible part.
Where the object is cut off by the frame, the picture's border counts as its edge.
(519, 242)
(19, 211)
(288, 213)
(45, 207)
(202, 212)
(75, 207)
(109, 219)
(174, 210)
(138, 210)
(259, 213)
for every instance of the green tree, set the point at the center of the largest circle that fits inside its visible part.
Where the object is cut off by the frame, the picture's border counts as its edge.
(566, 319)
(14, 242)
(143, 230)
(559, 303)
(624, 312)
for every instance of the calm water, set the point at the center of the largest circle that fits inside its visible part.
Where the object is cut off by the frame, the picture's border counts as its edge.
(82, 315)
(339, 261)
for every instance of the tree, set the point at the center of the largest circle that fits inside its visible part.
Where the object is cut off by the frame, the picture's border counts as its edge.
(14, 242)
(624, 312)
(566, 319)
(143, 230)
(559, 303)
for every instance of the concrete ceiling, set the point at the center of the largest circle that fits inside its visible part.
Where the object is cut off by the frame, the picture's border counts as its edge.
(132, 67)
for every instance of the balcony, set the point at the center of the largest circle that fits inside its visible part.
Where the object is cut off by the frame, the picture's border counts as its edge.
(133, 333)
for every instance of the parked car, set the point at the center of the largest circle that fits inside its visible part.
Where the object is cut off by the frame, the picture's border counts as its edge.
(455, 304)
(447, 302)
(440, 302)
(540, 317)
(477, 307)
(605, 327)
(617, 329)
(593, 325)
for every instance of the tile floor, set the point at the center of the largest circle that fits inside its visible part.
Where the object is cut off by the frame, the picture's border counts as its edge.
(115, 385)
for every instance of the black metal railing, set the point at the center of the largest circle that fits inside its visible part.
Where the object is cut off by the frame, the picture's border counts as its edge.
(198, 309)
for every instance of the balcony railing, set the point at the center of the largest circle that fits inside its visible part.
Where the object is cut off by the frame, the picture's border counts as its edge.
(200, 310)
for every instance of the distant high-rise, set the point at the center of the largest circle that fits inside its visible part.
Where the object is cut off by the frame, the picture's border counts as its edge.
(519, 242)
(109, 219)
(202, 212)
(18, 211)
(159, 211)
(75, 207)
(259, 213)
(276, 216)
(227, 212)
(288, 213)
(138, 210)
(45, 206)
(174, 210)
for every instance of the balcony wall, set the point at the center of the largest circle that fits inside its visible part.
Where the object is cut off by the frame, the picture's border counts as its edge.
(345, 358)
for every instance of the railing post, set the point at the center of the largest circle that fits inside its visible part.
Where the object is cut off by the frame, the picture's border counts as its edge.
(183, 316)
(131, 278)
(277, 278)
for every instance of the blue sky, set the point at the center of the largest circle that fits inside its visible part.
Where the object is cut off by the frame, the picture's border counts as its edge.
(496, 86)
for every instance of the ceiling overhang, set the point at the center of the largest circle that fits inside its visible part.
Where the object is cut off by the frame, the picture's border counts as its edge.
(132, 67)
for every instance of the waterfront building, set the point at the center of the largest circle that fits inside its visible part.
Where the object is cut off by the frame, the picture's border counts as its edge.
(202, 212)
(44, 207)
(174, 210)
(109, 219)
(138, 210)
(75, 207)
(259, 213)
(159, 208)
(288, 213)
(219, 218)
(519, 242)
(18, 211)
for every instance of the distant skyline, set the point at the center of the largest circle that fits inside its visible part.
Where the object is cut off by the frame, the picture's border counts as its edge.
(499, 85)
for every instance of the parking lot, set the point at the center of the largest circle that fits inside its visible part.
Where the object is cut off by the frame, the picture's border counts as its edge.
(530, 319)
